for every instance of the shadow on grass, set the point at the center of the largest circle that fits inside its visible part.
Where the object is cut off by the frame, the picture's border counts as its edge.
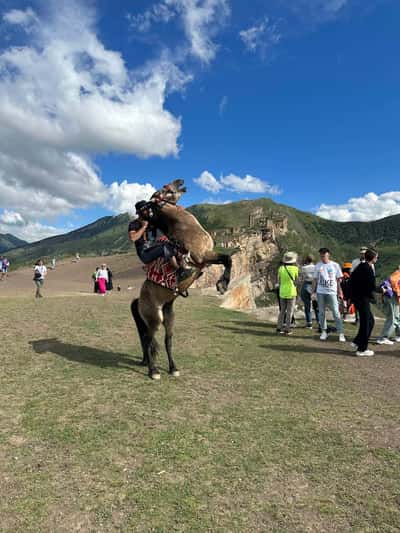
(265, 332)
(86, 354)
(332, 350)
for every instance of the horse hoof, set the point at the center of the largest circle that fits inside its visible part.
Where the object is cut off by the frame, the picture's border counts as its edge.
(221, 287)
(156, 377)
(175, 373)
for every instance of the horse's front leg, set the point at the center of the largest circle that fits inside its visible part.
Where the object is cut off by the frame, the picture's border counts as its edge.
(168, 314)
(221, 259)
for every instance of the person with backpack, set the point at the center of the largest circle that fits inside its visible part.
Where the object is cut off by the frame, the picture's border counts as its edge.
(307, 275)
(362, 288)
(326, 288)
(391, 300)
(345, 304)
(288, 273)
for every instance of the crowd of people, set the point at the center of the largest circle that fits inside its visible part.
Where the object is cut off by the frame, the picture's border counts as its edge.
(345, 290)
(102, 280)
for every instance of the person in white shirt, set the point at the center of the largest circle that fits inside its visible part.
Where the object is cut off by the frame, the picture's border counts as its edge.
(326, 288)
(39, 273)
(307, 276)
(102, 278)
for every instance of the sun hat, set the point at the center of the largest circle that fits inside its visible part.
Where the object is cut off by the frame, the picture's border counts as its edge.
(347, 265)
(363, 249)
(290, 257)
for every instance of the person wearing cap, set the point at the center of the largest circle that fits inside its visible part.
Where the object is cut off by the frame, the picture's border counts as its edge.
(326, 288)
(358, 260)
(150, 242)
(288, 273)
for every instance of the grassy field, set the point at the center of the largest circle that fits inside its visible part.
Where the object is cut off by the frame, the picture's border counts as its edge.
(260, 432)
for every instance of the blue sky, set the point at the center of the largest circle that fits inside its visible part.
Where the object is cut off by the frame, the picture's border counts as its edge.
(102, 101)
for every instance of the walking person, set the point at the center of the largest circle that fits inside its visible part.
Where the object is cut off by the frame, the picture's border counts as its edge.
(326, 288)
(391, 301)
(362, 288)
(288, 273)
(5, 265)
(307, 276)
(102, 279)
(39, 274)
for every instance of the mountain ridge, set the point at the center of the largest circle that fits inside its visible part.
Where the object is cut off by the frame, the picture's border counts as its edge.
(307, 232)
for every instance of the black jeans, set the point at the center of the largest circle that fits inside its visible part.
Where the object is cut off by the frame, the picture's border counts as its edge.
(366, 324)
(162, 249)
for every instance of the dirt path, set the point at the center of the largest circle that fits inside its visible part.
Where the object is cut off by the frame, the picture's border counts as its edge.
(75, 278)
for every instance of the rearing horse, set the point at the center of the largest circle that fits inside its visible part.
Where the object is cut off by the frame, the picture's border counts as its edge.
(155, 303)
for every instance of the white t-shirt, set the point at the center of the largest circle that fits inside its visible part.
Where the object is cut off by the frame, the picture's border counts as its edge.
(102, 273)
(42, 271)
(307, 272)
(327, 275)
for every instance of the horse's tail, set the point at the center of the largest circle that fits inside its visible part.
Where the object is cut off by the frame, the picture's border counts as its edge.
(140, 323)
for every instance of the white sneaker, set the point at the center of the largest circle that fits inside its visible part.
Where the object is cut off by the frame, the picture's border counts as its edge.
(342, 338)
(384, 340)
(323, 336)
(397, 339)
(366, 353)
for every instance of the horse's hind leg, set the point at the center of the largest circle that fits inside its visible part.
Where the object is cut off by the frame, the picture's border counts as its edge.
(141, 327)
(168, 312)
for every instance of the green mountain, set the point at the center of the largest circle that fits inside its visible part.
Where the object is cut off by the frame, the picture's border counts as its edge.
(306, 234)
(105, 236)
(8, 241)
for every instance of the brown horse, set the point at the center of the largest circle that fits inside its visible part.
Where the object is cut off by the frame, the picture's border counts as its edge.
(155, 303)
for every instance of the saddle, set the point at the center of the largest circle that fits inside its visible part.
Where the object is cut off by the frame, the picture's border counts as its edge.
(161, 273)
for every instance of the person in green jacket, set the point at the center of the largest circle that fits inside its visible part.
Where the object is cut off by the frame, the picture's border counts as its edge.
(288, 274)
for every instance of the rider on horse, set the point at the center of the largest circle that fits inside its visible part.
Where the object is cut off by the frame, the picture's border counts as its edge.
(151, 243)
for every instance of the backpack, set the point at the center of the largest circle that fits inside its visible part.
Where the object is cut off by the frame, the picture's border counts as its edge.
(395, 282)
(346, 288)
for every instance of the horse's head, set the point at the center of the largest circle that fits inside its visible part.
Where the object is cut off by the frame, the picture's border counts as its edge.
(170, 193)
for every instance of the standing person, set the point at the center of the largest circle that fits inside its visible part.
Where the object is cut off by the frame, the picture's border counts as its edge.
(307, 276)
(53, 263)
(110, 285)
(5, 265)
(39, 274)
(95, 282)
(102, 279)
(326, 288)
(362, 288)
(288, 273)
(391, 301)
(358, 260)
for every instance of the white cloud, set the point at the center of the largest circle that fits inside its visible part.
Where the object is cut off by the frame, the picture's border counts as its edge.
(261, 36)
(123, 196)
(142, 22)
(201, 20)
(20, 17)
(316, 11)
(14, 223)
(372, 206)
(222, 105)
(208, 182)
(235, 183)
(64, 97)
